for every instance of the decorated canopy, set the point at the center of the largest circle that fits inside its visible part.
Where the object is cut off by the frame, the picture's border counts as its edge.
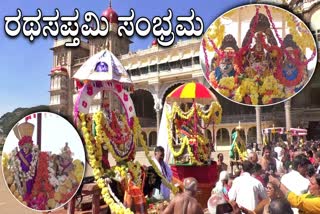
(190, 92)
(103, 66)
(282, 130)
(182, 132)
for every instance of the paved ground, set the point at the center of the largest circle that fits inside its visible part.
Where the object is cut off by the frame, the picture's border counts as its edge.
(8, 204)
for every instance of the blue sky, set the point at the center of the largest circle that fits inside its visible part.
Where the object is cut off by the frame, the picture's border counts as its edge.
(25, 66)
(52, 141)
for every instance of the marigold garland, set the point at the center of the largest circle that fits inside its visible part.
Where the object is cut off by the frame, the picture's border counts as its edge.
(137, 129)
(304, 40)
(102, 138)
(98, 172)
(215, 32)
(271, 89)
(213, 113)
(136, 172)
(226, 86)
(230, 88)
(247, 87)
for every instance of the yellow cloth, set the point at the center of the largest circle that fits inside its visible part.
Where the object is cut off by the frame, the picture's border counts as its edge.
(306, 203)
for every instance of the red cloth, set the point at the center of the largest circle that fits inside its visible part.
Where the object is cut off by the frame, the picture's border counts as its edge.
(259, 178)
(311, 159)
(203, 174)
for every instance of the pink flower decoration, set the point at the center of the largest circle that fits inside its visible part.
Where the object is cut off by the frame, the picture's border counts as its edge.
(118, 87)
(125, 97)
(90, 90)
(84, 104)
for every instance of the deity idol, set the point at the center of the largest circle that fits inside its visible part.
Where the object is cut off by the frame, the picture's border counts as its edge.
(65, 161)
(25, 159)
(293, 74)
(257, 59)
(223, 64)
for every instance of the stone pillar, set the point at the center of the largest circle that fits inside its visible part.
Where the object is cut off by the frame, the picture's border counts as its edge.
(214, 137)
(287, 108)
(157, 108)
(158, 119)
(258, 122)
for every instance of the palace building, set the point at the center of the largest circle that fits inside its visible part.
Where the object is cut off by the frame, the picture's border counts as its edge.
(156, 71)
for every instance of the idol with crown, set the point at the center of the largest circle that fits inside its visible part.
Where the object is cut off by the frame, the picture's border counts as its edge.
(41, 180)
(263, 57)
(20, 175)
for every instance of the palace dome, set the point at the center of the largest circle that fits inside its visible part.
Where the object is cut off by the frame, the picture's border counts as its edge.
(111, 15)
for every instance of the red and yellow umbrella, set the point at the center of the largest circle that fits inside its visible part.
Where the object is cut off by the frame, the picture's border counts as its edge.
(192, 92)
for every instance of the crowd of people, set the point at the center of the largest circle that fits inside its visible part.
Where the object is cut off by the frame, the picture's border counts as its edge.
(283, 179)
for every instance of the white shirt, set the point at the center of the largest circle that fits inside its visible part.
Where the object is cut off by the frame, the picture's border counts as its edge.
(279, 166)
(279, 151)
(295, 182)
(318, 170)
(247, 191)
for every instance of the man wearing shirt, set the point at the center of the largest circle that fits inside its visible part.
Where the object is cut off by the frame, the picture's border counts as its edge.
(165, 171)
(317, 162)
(246, 190)
(296, 180)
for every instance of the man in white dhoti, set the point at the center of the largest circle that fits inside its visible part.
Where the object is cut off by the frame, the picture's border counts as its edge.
(166, 172)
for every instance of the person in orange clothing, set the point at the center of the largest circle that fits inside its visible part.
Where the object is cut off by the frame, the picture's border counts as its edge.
(308, 203)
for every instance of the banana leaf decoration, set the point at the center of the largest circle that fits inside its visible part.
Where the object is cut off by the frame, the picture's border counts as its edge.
(264, 140)
(238, 148)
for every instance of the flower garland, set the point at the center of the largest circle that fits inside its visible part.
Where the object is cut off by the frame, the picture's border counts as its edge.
(103, 139)
(120, 172)
(98, 171)
(282, 77)
(42, 189)
(115, 133)
(5, 160)
(55, 180)
(241, 150)
(212, 114)
(304, 39)
(226, 85)
(78, 170)
(137, 129)
(91, 148)
(16, 168)
(182, 147)
(248, 87)
(136, 172)
(235, 90)
(193, 160)
(64, 186)
(270, 89)
(215, 32)
(115, 205)
(25, 140)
